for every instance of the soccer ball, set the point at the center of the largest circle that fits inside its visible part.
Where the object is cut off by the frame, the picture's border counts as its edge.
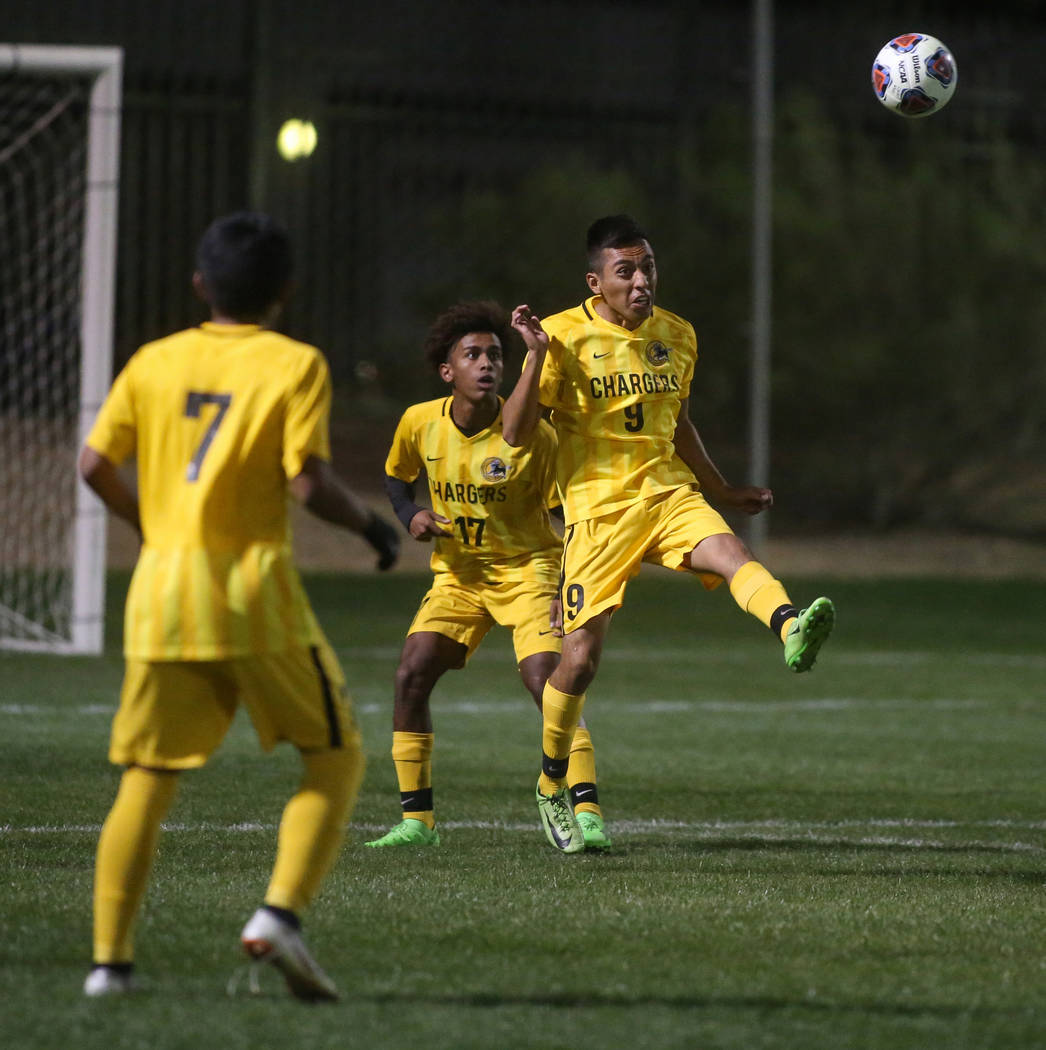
(914, 75)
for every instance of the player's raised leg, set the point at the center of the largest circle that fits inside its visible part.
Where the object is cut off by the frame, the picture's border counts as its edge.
(763, 596)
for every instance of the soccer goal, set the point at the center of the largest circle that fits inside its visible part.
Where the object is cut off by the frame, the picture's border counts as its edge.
(59, 159)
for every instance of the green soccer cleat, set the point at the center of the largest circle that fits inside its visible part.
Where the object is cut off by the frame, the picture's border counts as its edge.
(809, 632)
(592, 830)
(557, 818)
(409, 832)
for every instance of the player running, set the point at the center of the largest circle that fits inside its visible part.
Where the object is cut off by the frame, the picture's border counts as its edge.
(224, 419)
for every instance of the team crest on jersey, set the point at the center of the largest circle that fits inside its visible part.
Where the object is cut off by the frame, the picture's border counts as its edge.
(657, 353)
(494, 469)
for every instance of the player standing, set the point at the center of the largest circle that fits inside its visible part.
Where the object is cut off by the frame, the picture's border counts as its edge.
(495, 558)
(224, 419)
(634, 473)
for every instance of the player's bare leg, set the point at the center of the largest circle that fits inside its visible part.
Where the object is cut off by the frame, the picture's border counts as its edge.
(426, 657)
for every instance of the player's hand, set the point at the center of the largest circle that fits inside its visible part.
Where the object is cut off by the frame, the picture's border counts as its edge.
(385, 540)
(529, 327)
(749, 499)
(555, 616)
(425, 525)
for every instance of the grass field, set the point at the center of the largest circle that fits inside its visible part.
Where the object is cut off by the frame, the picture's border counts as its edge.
(850, 858)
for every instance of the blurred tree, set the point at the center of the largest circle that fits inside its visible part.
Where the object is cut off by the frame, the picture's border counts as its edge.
(909, 375)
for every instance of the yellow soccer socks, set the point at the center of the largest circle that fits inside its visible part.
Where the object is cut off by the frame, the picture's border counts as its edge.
(560, 713)
(758, 593)
(313, 825)
(412, 757)
(126, 848)
(581, 774)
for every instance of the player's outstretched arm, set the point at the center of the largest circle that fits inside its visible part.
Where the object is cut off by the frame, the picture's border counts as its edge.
(522, 409)
(102, 476)
(321, 492)
(750, 499)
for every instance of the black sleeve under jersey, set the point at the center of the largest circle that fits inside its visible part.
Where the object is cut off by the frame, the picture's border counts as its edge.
(401, 496)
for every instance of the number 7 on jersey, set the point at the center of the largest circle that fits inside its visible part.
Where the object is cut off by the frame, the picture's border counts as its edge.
(193, 406)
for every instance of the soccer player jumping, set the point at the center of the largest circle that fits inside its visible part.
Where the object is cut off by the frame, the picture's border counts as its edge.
(224, 419)
(616, 373)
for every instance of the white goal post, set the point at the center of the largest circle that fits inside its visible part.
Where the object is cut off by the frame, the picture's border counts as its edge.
(59, 168)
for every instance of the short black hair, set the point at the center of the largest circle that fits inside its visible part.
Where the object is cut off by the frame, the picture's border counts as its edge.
(461, 319)
(246, 265)
(612, 231)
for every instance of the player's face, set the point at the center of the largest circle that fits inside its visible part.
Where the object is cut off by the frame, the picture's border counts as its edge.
(627, 280)
(474, 366)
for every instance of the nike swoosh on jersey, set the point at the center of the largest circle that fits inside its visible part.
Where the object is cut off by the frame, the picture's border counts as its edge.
(596, 357)
(432, 459)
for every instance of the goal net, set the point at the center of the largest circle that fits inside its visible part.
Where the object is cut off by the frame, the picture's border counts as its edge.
(59, 134)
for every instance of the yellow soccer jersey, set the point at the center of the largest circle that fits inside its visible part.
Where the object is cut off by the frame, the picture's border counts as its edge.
(615, 397)
(219, 417)
(496, 497)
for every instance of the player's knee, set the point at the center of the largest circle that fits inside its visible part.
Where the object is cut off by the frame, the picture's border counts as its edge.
(723, 554)
(414, 680)
(575, 674)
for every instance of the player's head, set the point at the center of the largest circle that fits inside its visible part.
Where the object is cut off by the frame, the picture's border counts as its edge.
(243, 266)
(621, 268)
(466, 345)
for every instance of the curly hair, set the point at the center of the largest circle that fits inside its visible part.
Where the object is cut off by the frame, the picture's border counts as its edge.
(462, 319)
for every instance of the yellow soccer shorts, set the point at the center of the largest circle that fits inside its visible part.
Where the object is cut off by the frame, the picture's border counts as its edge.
(600, 555)
(465, 612)
(173, 714)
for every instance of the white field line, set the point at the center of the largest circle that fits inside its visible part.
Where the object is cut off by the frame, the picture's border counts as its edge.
(652, 705)
(841, 833)
(697, 654)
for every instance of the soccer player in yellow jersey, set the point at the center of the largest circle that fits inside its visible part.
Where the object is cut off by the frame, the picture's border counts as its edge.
(615, 373)
(224, 420)
(495, 558)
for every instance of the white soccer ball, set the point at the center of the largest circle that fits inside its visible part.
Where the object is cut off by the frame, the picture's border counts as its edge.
(914, 75)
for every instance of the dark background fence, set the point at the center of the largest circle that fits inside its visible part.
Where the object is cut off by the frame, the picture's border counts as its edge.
(464, 147)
